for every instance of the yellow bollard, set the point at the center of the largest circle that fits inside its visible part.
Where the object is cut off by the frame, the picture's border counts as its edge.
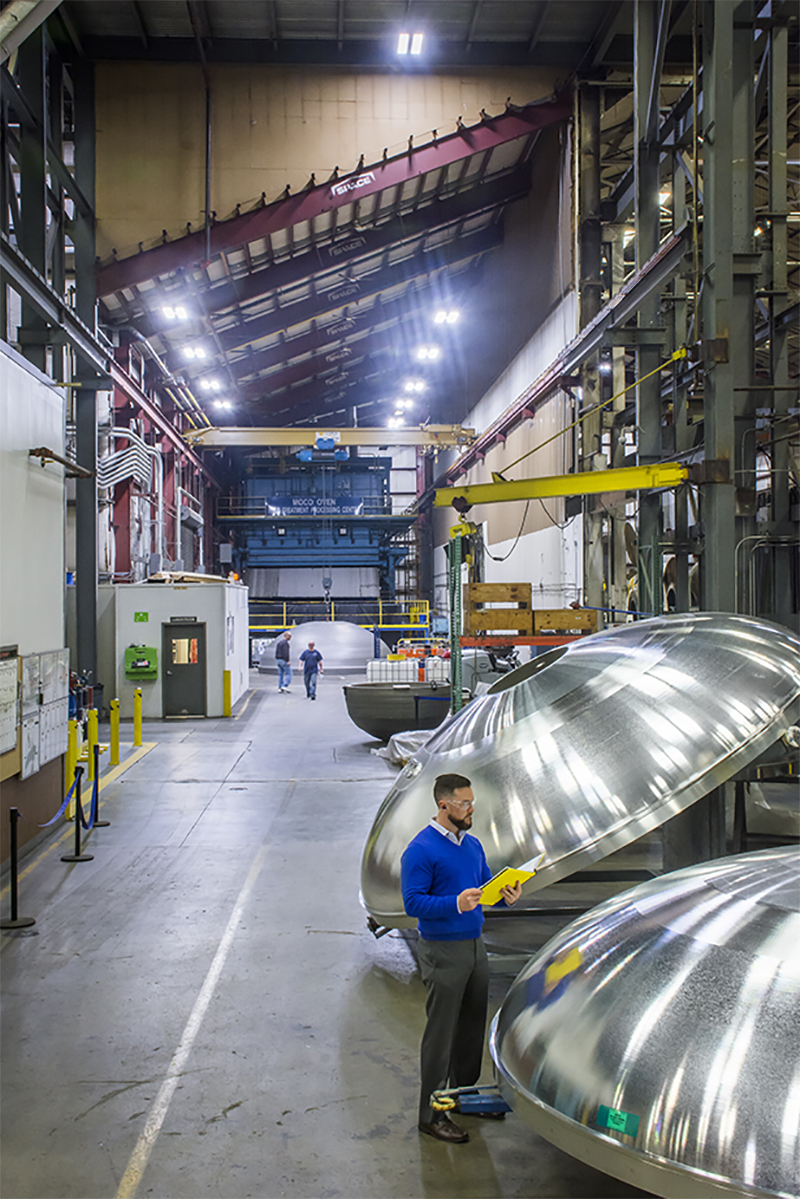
(114, 721)
(70, 763)
(227, 707)
(137, 716)
(91, 741)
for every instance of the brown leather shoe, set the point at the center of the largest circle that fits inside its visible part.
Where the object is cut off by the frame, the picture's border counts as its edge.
(445, 1130)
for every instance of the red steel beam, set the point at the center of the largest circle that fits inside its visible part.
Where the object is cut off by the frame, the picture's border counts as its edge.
(365, 243)
(188, 252)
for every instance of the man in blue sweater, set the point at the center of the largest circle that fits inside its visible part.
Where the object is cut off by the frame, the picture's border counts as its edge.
(443, 871)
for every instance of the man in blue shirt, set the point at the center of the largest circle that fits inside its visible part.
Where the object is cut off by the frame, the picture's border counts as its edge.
(312, 663)
(443, 871)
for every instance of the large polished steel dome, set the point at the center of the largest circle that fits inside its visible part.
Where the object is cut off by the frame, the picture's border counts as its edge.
(584, 750)
(658, 1036)
(345, 647)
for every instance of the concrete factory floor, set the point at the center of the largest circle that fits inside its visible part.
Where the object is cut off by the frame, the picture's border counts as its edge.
(201, 1011)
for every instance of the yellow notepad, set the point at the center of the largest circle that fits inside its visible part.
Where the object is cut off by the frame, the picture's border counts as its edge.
(509, 876)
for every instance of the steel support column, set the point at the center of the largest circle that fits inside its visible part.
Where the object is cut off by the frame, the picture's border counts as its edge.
(727, 301)
(648, 18)
(590, 250)
(617, 595)
(85, 398)
(784, 599)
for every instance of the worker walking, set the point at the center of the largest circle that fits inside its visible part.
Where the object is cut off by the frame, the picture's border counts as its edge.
(443, 871)
(283, 658)
(312, 665)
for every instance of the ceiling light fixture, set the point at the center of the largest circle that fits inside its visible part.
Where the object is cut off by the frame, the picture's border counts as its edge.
(408, 42)
(427, 353)
(193, 352)
(447, 316)
(178, 312)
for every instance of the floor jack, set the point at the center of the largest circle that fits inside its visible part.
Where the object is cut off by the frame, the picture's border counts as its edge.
(471, 1101)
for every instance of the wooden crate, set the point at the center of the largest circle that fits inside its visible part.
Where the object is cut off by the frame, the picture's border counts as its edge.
(565, 620)
(484, 620)
(479, 619)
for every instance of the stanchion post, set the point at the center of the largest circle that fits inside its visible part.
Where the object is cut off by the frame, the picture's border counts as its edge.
(137, 717)
(71, 763)
(16, 921)
(114, 737)
(92, 738)
(227, 707)
(98, 823)
(77, 856)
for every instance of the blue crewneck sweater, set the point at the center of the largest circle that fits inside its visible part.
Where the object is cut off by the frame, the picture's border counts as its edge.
(434, 872)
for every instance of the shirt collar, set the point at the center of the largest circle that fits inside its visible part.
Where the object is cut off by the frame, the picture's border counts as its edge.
(456, 838)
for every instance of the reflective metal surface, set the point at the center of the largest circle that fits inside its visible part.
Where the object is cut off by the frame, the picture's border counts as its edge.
(345, 647)
(383, 709)
(586, 749)
(658, 1036)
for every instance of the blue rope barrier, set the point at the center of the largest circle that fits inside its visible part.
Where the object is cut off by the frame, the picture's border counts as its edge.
(63, 807)
(94, 803)
(92, 811)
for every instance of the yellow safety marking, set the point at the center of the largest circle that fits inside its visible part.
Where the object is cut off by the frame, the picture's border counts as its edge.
(69, 833)
(135, 757)
(244, 705)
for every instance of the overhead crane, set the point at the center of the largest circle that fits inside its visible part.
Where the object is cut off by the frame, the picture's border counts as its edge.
(426, 436)
(590, 482)
(501, 490)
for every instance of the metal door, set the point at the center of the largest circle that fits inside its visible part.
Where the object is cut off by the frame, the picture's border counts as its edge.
(184, 672)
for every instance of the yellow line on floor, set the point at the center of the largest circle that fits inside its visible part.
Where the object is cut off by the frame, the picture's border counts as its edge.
(246, 702)
(136, 756)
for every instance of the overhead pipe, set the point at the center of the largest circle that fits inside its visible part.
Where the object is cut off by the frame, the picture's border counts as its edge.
(124, 467)
(19, 20)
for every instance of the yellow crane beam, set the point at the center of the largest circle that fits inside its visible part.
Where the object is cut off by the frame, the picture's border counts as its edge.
(590, 482)
(425, 436)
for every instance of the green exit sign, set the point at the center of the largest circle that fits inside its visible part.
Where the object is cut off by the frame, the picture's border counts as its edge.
(141, 617)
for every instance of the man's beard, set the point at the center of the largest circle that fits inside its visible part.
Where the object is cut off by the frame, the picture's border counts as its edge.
(462, 823)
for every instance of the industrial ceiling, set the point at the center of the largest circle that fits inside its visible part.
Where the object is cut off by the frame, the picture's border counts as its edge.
(313, 305)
